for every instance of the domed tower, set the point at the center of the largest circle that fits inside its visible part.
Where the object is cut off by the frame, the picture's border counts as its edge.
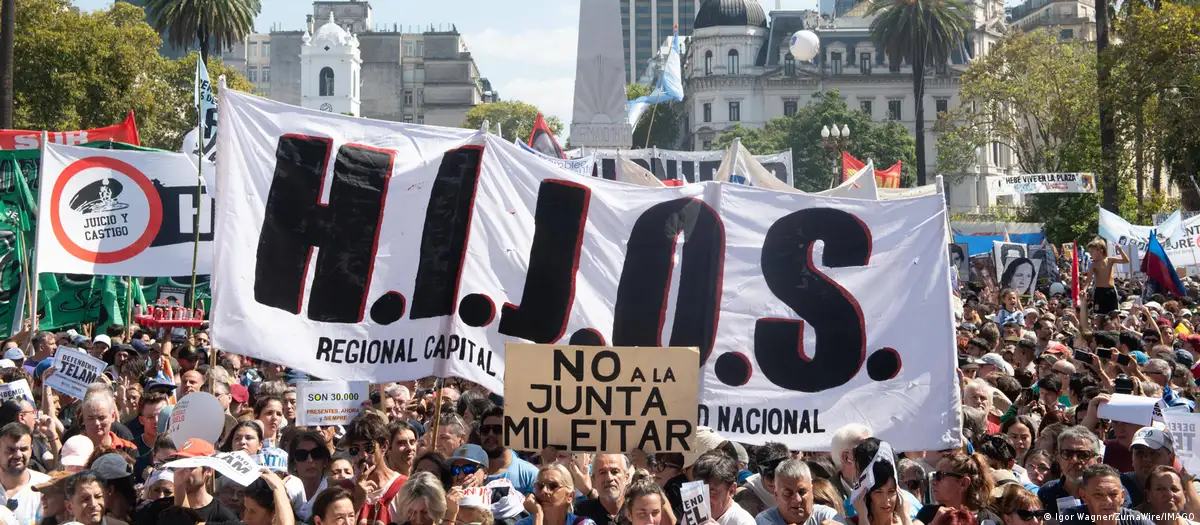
(714, 13)
(330, 70)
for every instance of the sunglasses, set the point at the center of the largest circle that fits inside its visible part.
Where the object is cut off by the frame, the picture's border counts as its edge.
(491, 429)
(1029, 515)
(940, 475)
(1078, 455)
(368, 447)
(662, 467)
(463, 469)
(304, 454)
(551, 486)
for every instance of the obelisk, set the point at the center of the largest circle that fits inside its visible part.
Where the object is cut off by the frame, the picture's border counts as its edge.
(599, 119)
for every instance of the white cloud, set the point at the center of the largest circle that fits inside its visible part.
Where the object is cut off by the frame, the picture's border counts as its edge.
(534, 47)
(554, 96)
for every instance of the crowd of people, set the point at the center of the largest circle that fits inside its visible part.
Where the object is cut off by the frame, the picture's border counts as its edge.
(1034, 374)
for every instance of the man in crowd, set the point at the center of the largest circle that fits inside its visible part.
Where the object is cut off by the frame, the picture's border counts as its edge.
(85, 500)
(759, 492)
(98, 412)
(1159, 371)
(403, 448)
(377, 485)
(1151, 448)
(149, 407)
(719, 472)
(1078, 448)
(794, 498)
(190, 490)
(468, 466)
(16, 447)
(842, 453)
(1103, 497)
(502, 461)
(452, 433)
(189, 382)
(610, 477)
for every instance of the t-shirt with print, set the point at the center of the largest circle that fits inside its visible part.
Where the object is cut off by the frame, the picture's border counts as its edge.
(819, 514)
(736, 515)
(520, 473)
(29, 502)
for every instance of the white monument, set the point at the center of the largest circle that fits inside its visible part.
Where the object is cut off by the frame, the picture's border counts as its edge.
(599, 119)
(330, 70)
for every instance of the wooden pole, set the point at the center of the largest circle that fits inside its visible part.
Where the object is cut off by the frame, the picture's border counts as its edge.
(437, 413)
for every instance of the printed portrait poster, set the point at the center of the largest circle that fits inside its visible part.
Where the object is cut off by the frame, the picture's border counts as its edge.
(983, 270)
(959, 260)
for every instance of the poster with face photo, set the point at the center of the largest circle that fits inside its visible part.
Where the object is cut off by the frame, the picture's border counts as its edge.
(1005, 252)
(1020, 274)
(983, 270)
(958, 259)
(1047, 260)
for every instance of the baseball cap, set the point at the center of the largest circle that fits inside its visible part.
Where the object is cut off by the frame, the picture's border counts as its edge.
(1153, 305)
(742, 456)
(1012, 338)
(1140, 357)
(470, 452)
(1153, 438)
(159, 381)
(1057, 289)
(76, 451)
(194, 448)
(1048, 358)
(14, 354)
(1185, 313)
(55, 477)
(239, 393)
(997, 361)
(7, 363)
(704, 440)
(102, 338)
(111, 466)
(970, 327)
(1184, 358)
(139, 346)
(966, 361)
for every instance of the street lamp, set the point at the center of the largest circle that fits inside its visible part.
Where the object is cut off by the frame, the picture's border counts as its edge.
(835, 140)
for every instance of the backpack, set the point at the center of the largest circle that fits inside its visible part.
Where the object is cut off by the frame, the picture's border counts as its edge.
(380, 512)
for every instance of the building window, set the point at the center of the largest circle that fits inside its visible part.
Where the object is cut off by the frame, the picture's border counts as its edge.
(266, 49)
(942, 106)
(408, 49)
(864, 63)
(708, 144)
(253, 49)
(789, 108)
(408, 118)
(865, 106)
(708, 111)
(708, 62)
(735, 111)
(789, 65)
(835, 63)
(894, 110)
(732, 68)
(408, 97)
(996, 153)
(266, 73)
(252, 75)
(326, 82)
(1066, 34)
(894, 65)
(420, 97)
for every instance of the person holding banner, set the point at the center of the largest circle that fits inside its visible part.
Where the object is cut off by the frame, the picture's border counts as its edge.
(610, 476)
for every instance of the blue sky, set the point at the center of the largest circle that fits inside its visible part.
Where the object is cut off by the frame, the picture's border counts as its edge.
(526, 48)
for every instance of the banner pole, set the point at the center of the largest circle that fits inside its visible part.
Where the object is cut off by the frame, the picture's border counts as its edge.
(650, 127)
(199, 180)
(437, 413)
(37, 225)
(128, 308)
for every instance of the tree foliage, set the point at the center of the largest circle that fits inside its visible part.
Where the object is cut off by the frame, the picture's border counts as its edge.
(214, 24)
(77, 70)
(815, 166)
(515, 118)
(667, 119)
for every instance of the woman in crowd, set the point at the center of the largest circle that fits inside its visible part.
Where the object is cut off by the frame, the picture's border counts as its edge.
(1018, 506)
(340, 469)
(334, 506)
(824, 493)
(881, 504)
(963, 481)
(1023, 433)
(645, 502)
(421, 501)
(246, 436)
(1038, 465)
(266, 502)
(434, 463)
(552, 500)
(308, 462)
(268, 411)
(1166, 498)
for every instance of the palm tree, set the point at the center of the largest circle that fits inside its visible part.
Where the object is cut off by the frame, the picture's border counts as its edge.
(8, 27)
(225, 21)
(918, 32)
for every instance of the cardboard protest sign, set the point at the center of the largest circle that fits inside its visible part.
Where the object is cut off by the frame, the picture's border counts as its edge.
(426, 249)
(74, 371)
(1182, 425)
(600, 398)
(958, 260)
(122, 212)
(696, 508)
(238, 466)
(15, 389)
(329, 402)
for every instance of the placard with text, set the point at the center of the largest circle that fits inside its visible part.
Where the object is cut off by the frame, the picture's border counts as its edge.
(329, 402)
(74, 371)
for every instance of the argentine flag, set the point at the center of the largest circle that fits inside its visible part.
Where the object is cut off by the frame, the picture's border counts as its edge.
(670, 85)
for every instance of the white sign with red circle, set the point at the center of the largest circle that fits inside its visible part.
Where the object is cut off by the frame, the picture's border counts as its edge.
(108, 212)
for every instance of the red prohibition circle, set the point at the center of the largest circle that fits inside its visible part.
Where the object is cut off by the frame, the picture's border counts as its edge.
(147, 187)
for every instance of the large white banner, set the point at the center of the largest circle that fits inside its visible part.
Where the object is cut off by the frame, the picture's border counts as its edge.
(1044, 183)
(1178, 238)
(379, 251)
(117, 212)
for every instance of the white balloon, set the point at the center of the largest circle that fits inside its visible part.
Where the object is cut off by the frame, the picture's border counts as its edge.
(197, 415)
(804, 45)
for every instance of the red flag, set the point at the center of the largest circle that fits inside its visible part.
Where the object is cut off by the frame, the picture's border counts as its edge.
(542, 140)
(889, 178)
(25, 139)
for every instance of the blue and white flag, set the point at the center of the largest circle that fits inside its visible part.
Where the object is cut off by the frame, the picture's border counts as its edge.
(670, 85)
(203, 139)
